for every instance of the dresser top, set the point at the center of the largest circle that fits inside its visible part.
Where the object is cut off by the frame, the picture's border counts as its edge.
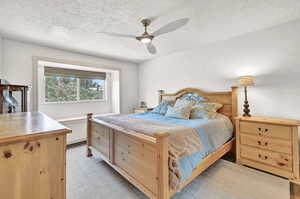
(270, 120)
(18, 126)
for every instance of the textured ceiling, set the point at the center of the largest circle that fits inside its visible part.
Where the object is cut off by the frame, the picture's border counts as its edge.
(72, 24)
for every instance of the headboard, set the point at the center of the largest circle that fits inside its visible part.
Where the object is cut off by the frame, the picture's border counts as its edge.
(228, 99)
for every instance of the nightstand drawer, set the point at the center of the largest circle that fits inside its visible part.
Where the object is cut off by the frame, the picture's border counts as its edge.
(278, 160)
(142, 110)
(266, 130)
(277, 145)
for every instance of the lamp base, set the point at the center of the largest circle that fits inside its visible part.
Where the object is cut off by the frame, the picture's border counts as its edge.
(246, 109)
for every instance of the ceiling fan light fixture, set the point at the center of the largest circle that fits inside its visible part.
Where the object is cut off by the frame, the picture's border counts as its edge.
(145, 40)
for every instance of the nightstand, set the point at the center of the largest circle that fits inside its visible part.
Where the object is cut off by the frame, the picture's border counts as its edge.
(141, 110)
(268, 144)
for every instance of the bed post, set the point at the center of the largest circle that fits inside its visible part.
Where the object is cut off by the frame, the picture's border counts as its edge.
(162, 165)
(234, 102)
(88, 137)
(160, 92)
(234, 114)
(234, 106)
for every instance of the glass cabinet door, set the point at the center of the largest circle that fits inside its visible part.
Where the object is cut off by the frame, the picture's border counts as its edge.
(13, 99)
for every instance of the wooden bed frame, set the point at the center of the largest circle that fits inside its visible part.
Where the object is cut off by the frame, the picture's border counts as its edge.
(143, 160)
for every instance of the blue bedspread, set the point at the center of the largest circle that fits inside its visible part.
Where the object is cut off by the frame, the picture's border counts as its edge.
(212, 133)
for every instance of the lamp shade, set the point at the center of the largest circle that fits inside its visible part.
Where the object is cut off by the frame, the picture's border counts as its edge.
(246, 81)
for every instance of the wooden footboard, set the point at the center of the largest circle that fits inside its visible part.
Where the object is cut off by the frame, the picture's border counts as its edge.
(143, 160)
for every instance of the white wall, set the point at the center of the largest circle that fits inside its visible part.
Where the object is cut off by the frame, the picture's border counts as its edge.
(1, 56)
(272, 56)
(18, 68)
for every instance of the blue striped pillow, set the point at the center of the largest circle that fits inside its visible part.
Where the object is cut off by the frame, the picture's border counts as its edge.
(162, 107)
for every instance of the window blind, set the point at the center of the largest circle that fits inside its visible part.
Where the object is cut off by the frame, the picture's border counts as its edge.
(53, 71)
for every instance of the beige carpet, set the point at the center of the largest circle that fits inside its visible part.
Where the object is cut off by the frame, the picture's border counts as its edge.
(91, 178)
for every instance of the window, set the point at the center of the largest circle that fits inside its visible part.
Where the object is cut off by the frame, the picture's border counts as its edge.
(68, 85)
(91, 89)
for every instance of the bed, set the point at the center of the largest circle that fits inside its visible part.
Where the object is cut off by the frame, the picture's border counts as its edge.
(145, 159)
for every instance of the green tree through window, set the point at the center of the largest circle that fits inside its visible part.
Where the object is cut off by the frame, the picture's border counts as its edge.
(70, 89)
(91, 89)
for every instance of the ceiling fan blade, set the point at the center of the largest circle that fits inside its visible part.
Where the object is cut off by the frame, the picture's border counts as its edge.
(117, 35)
(171, 26)
(151, 48)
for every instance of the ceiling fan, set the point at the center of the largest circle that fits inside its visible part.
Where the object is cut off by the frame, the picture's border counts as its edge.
(146, 38)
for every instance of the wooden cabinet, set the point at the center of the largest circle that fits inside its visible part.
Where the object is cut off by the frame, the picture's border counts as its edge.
(142, 110)
(268, 144)
(32, 157)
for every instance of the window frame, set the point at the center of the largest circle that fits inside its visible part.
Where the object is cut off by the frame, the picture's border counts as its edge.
(78, 94)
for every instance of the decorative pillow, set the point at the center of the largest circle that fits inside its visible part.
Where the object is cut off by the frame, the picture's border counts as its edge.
(184, 102)
(189, 99)
(180, 112)
(199, 112)
(210, 106)
(162, 107)
(192, 97)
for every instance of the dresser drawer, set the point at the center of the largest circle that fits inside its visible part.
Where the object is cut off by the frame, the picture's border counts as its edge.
(100, 139)
(142, 151)
(135, 158)
(277, 145)
(278, 160)
(266, 130)
(101, 130)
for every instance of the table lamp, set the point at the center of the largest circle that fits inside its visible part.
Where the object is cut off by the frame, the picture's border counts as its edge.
(246, 81)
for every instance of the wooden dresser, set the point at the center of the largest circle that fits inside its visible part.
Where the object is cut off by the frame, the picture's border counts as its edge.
(268, 144)
(32, 157)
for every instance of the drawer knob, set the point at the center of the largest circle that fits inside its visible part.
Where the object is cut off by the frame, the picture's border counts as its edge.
(259, 142)
(7, 154)
(259, 155)
(259, 129)
(266, 130)
(263, 158)
(266, 143)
